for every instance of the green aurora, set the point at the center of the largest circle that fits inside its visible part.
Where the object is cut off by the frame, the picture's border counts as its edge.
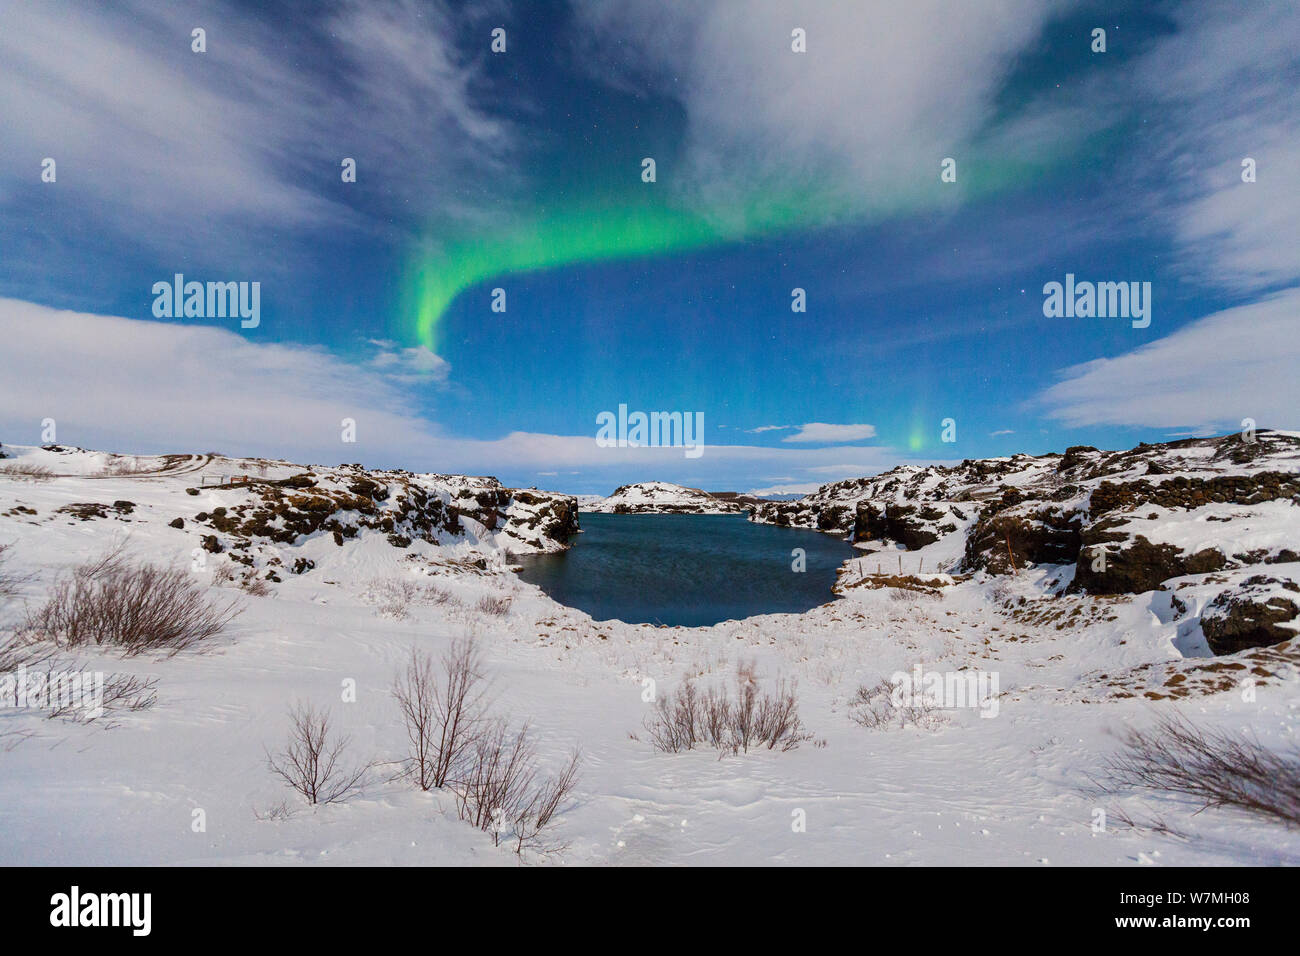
(622, 229)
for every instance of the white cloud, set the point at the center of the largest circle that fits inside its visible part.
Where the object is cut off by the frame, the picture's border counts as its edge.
(1235, 364)
(129, 385)
(1225, 88)
(1001, 431)
(862, 119)
(411, 365)
(198, 152)
(767, 428)
(822, 432)
(805, 488)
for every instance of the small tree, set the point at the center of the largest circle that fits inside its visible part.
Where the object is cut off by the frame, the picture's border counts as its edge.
(310, 763)
(416, 691)
(458, 707)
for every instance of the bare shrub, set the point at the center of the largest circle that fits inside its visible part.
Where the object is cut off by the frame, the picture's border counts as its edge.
(1215, 768)
(26, 471)
(394, 596)
(876, 708)
(16, 652)
(678, 722)
(499, 792)
(136, 607)
(274, 814)
(120, 466)
(110, 561)
(545, 803)
(492, 787)
(753, 719)
(310, 762)
(777, 721)
(223, 575)
(121, 693)
(442, 717)
(250, 583)
(496, 605)
(491, 770)
(415, 691)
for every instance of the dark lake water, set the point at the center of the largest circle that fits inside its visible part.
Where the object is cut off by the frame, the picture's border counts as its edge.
(689, 570)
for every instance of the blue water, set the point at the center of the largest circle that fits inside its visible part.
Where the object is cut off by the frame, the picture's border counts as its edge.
(690, 570)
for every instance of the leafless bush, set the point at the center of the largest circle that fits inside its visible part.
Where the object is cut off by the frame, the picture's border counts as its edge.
(310, 762)
(499, 791)
(492, 787)
(26, 471)
(120, 693)
(276, 813)
(678, 722)
(16, 651)
(497, 605)
(394, 596)
(1215, 768)
(753, 719)
(443, 717)
(546, 801)
(118, 467)
(136, 607)
(223, 575)
(876, 709)
(110, 561)
(491, 770)
(250, 583)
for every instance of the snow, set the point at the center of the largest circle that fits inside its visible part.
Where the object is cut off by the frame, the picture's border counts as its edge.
(1014, 790)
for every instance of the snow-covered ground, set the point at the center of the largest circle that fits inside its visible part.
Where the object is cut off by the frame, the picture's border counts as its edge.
(1017, 788)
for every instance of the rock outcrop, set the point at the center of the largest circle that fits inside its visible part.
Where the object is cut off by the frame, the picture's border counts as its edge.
(1128, 521)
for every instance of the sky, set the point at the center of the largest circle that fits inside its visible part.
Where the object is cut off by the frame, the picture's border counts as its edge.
(522, 170)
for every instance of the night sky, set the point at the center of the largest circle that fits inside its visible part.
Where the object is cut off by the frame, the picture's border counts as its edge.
(522, 171)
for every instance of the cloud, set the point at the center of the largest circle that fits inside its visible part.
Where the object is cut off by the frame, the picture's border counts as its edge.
(805, 488)
(858, 123)
(1225, 90)
(767, 428)
(187, 152)
(118, 383)
(821, 432)
(1002, 431)
(130, 385)
(413, 365)
(1235, 364)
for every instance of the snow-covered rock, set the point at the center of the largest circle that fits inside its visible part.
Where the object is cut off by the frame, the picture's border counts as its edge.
(1127, 522)
(662, 497)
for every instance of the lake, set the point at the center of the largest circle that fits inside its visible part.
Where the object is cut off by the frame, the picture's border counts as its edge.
(687, 570)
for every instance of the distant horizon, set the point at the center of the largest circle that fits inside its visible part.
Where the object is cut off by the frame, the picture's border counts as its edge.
(753, 492)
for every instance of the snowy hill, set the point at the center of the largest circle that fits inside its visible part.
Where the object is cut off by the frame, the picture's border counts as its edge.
(662, 497)
(264, 512)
